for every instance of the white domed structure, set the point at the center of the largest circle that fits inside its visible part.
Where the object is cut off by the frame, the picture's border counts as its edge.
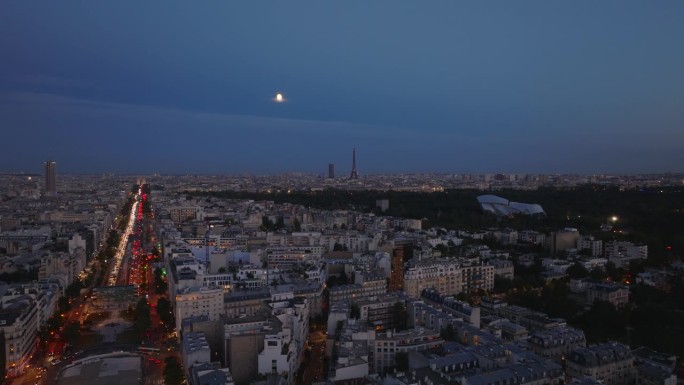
(503, 207)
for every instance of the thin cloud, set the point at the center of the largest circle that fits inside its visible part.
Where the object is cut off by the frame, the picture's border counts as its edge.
(51, 81)
(54, 103)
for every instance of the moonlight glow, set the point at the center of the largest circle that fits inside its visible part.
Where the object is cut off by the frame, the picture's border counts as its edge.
(279, 98)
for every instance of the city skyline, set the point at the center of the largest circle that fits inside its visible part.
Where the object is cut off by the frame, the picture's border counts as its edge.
(459, 88)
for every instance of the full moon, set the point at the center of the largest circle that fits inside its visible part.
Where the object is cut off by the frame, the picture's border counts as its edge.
(279, 97)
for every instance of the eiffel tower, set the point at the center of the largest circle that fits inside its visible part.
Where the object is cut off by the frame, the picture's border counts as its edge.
(354, 174)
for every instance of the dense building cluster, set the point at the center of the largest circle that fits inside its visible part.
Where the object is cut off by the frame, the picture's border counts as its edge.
(249, 280)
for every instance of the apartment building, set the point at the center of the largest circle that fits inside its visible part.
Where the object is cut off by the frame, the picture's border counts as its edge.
(650, 374)
(387, 344)
(45, 298)
(447, 276)
(63, 266)
(244, 304)
(451, 305)
(206, 373)
(622, 253)
(595, 246)
(421, 314)
(611, 363)
(352, 361)
(282, 257)
(243, 340)
(358, 291)
(502, 268)
(18, 328)
(476, 277)
(617, 295)
(443, 275)
(505, 237)
(198, 301)
(378, 310)
(527, 373)
(180, 214)
(655, 368)
(194, 350)
(282, 351)
(556, 343)
(532, 237)
(313, 292)
(277, 356)
(563, 240)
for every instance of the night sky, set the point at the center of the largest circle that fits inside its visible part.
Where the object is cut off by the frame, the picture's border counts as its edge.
(416, 86)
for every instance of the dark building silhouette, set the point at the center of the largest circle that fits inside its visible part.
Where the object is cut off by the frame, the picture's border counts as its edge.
(354, 173)
(396, 282)
(51, 177)
(331, 170)
(3, 355)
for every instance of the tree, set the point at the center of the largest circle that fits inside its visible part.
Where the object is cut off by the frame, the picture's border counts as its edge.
(142, 316)
(448, 333)
(355, 311)
(89, 280)
(603, 322)
(43, 336)
(165, 312)
(597, 273)
(443, 249)
(340, 247)
(266, 223)
(72, 331)
(401, 361)
(156, 251)
(577, 271)
(55, 322)
(556, 301)
(74, 290)
(529, 299)
(173, 373)
(63, 304)
(160, 285)
(21, 275)
(502, 284)
(399, 316)
(613, 272)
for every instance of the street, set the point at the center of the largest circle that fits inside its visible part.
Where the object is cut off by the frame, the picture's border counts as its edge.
(130, 265)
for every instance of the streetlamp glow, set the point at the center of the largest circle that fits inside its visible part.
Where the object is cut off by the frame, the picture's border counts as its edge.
(613, 219)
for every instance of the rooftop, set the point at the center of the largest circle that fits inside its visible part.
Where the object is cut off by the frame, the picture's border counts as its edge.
(103, 370)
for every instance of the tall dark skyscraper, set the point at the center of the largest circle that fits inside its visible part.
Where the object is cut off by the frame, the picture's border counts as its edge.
(51, 177)
(354, 173)
(331, 170)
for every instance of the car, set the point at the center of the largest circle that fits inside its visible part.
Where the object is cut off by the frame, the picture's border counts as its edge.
(56, 362)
